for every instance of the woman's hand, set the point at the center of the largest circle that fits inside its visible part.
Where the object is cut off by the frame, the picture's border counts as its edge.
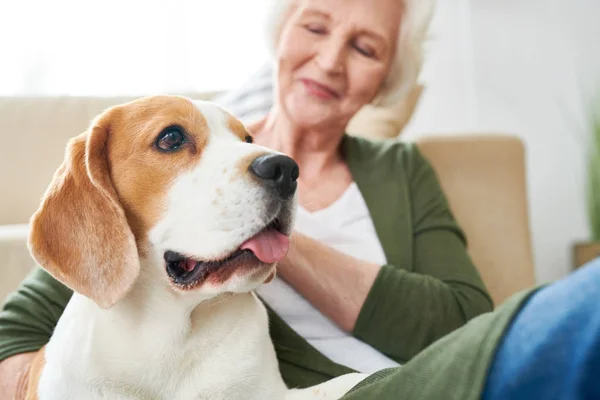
(14, 376)
(335, 283)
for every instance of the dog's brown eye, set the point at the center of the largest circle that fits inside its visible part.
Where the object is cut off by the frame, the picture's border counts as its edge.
(248, 139)
(170, 139)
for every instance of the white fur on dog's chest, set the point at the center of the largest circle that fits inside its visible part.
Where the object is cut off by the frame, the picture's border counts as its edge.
(222, 352)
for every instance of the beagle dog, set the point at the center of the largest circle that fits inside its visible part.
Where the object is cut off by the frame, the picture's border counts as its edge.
(163, 218)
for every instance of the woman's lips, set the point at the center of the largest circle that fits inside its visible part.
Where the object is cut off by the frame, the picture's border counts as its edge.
(319, 90)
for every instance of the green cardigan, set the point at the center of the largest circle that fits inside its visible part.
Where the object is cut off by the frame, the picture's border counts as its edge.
(428, 289)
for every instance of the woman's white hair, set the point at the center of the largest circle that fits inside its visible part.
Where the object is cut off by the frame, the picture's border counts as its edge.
(408, 59)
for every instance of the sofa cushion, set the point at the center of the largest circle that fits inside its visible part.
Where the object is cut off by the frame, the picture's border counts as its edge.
(16, 260)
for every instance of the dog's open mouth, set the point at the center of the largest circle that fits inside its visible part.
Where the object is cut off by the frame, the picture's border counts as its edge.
(264, 248)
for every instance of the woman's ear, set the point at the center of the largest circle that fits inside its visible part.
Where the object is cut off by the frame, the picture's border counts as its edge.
(79, 233)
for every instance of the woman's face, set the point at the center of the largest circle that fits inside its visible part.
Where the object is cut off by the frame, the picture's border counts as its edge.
(333, 56)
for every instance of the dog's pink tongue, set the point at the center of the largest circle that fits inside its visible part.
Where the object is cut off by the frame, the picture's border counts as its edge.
(268, 246)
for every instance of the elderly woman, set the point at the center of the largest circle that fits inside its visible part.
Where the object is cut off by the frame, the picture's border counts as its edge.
(379, 268)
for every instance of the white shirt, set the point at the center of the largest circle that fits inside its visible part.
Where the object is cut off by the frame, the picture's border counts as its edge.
(346, 225)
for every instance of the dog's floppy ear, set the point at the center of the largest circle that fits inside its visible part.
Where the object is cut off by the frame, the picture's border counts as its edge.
(79, 233)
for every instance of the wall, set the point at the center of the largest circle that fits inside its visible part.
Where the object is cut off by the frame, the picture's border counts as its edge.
(526, 68)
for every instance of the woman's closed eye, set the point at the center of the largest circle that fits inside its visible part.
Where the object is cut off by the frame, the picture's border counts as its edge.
(315, 28)
(367, 46)
(364, 50)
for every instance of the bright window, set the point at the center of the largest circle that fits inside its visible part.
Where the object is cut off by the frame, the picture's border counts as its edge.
(124, 47)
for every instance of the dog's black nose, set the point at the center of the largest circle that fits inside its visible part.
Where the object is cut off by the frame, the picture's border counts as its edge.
(277, 171)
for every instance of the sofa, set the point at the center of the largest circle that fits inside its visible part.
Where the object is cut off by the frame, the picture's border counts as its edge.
(483, 176)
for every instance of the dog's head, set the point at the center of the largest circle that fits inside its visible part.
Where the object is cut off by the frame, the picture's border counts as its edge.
(172, 181)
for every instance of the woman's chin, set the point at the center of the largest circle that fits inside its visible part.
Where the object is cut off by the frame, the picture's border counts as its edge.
(310, 114)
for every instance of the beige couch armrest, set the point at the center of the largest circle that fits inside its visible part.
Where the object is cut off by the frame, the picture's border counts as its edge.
(485, 179)
(15, 260)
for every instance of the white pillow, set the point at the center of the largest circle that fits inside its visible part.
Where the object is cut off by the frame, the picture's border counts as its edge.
(385, 122)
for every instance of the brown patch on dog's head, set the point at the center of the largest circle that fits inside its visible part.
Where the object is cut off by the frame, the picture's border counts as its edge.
(109, 191)
(132, 150)
(238, 128)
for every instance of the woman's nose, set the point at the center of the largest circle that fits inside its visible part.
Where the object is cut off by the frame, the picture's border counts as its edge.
(330, 55)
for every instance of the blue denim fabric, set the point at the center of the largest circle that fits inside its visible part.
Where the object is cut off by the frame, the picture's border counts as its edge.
(552, 348)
